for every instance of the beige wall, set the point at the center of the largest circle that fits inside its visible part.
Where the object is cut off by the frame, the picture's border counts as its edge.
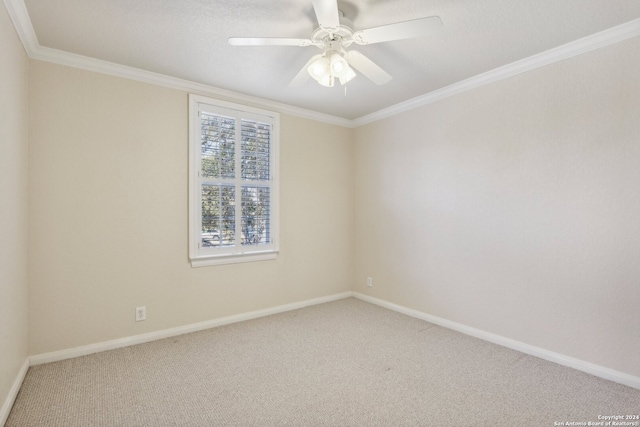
(13, 205)
(108, 214)
(514, 208)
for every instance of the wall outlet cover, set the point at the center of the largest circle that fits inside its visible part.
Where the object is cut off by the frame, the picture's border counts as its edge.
(141, 313)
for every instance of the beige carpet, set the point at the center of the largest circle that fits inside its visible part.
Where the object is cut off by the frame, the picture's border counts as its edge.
(344, 363)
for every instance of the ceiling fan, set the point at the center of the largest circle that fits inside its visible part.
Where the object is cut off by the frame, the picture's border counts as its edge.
(333, 36)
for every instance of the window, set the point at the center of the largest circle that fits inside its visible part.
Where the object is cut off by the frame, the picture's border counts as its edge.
(233, 188)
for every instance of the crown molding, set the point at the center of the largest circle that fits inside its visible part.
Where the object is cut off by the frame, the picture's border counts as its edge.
(586, 44)
(105, 67)
(21, 21)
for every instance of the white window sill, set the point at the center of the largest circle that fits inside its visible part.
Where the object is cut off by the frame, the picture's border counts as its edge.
(205, 261)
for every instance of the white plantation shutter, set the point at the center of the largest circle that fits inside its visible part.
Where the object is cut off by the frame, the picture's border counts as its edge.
(218, 215)
(255, 166)
(256, 224)
(256, 143)
(233, 188)
(217, 145)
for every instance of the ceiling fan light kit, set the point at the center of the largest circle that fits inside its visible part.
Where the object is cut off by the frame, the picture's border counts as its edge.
(333, 36)
(329, 66)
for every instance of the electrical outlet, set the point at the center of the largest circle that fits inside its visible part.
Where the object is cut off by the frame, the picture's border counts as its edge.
(370, 282)
(141, 313)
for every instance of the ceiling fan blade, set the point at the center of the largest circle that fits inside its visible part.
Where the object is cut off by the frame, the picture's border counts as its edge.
(401, 30)
(268, 41)
(327, 13)
(367, 67)
(303, 74)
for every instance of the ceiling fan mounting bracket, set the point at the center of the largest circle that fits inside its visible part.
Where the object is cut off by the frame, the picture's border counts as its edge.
(323, 37)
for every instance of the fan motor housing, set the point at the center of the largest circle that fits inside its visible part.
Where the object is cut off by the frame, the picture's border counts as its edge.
(328, 37)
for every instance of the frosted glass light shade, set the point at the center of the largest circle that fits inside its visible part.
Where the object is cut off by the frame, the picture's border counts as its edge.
(330, 66)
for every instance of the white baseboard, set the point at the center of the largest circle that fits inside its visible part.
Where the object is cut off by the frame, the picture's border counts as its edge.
(13, 393)
(590, 368)
(166, 333)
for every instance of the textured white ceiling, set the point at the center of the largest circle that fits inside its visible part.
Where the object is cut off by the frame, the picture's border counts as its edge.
(188, 39)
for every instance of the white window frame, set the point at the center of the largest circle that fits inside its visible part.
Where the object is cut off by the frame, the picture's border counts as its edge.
(205, 256)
